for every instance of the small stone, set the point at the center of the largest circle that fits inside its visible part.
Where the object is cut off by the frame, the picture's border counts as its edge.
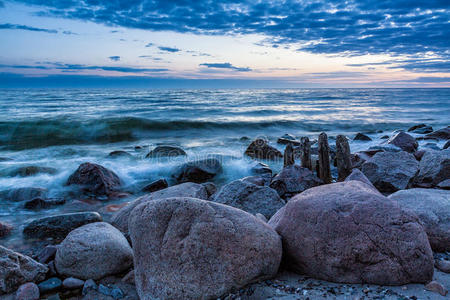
(51, 269)
(361, 137)
(89, 285)
(443, 265)
(47, 254)
(102, 289)
(5, 229)
(72, 283)
(166, 151)
(156, 186)
(436, 287)
(384, 137)
(50, 285)
(39, 203)
(120, 153)
(117, 293)
(421, 128)
(28, 291)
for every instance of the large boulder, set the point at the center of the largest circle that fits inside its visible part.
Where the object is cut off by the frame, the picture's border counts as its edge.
(346, 232)
(95, 179)
(441, 134)
(93, 251)
(165, 151)
(404, 141)
(433, 208)
(250, 198)
(391, 171)
(187, 189)
(434, 167)
(17, 269)
(293, 180)
(59, 226)
(197, 171)
(261, 149)
(186, 248)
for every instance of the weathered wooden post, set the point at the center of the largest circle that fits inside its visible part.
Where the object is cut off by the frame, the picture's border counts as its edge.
(305, 148)
(324, 158)
(289, 155)
(343, 159)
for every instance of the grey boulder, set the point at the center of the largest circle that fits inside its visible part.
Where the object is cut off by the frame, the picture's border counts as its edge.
(346, 232)
(434, 167)
(261, 149)
(93, 251)
(293, 180)
(186, 248)
(197, 171)
(404, 141)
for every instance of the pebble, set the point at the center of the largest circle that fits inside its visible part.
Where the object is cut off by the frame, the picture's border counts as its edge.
(89, 285)
(72, 283)
(117, 293)
(436, 287)
(28, 291)
(50, 285)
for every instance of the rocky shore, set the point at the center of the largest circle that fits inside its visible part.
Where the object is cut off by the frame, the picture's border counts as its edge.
(331, 224)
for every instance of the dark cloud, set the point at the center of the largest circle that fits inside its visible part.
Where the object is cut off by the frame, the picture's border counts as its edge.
(169, 49)
(352, 27)
(76, 67)
(225, 66)
(25, 27)
(114, 58)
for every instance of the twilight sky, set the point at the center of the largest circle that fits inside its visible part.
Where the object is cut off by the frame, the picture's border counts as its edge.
(217, 43)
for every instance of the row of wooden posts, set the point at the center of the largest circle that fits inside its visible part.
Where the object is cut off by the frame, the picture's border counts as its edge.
(343, 157)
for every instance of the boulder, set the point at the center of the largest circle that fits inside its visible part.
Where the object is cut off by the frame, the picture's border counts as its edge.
(250, 198)
(198, 171)
(346, 232)
(93, 251)
(261, 149)
(421, 128)
(5, 229)
(391, 171)
(433, 209)
(186, 248)
(28, 291)
(361, 137)
(356, 174)
(156, 186)
(441, 134)
(32, 170)
(404, 141)
(95, 179)
(17, 269)
(23, 194)
(59, 226)
(293, 180)
(165, 151)
(434, 167)
(187, 189)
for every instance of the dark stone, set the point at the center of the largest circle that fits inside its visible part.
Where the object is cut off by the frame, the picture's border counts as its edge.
(117, 293)
(95, 179)
(198, 171)
(293, 180)
(23, 194)
(434, 167)
(47, 254)
(39, 203)
(50, 285)
(5, 229)
(445, 184)
(361, 137)
(421, 128)
(288, 139)
(447, 145)
(156, 186)
(72, 283)
(120, 153)
(324, 158)
(89, 285)
(289, 156)
(57, 227)
(441, 134)
(305, 150)
(343, 158)
(5, 159)
(33, 170)
(166, 151)
(404, 141)
(384, 137)
(419, 154)
(260, 149)
(261, 169)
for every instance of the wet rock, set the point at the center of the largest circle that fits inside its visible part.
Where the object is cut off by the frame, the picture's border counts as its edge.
(40, 203)
(57, 227)
(120, 154)
(434, 167)
(447, 145)
(89, 285)
(5, 229)
(210, 187)
(116, 293)
(432, 146)
(433, 209)
(156, 186)
(445, 185)
(343, 158)
(187, 189)
(442, 265)
(261, 169)
(404, 141)
(359, 176)
(257, 180)
(421, 128)
(346, 232)
(261, 149)
(187, 248)
(436, 287)
(93, 251)
(166, 151)
(288, 139)
(391, 171)
(95, 179)
(72, 283)
(382, 148)
(361, 137)
(23, 194)
(384, 137)
(250, 198)
(17, 269)
(50, 285)
(419, 154)
(32, 170)
(323, 149)
(2, 159)
(293, 180)
(305, 153)
(28, 291)
(198, 171)
(47, 254)
(441, 134)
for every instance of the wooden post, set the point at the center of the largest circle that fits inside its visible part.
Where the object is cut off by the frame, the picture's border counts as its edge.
(324, 158)
(343, 159)
(289, 155)
(305, 149)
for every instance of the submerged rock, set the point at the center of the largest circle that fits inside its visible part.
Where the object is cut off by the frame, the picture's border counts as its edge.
(446, 146)
(441, 134)
(93, 251)
(32, 170)
(198, 171)
(434, 167)
(404, 141)
(346, 232)
(17, 269)
(187, 248)
(421, 128)
(95, 179)
(250, 198)
(23, 194)
(433, 209)
(391, 171)
(120, 153)
(166, 151)
(361, 137)
(261, 149)
(39, 203)
(57, 227)
(293, 180)
(156, 186)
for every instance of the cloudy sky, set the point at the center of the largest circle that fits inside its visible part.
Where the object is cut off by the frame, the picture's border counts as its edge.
(291, 43)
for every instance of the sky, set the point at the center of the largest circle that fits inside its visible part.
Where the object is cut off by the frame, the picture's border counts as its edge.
(217, 43)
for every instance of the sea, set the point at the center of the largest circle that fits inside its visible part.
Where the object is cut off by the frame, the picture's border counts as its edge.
(62, 128)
